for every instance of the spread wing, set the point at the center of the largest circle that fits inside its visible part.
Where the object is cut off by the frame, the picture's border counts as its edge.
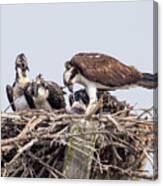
(56, 96)
(9, 91)
(105, 70)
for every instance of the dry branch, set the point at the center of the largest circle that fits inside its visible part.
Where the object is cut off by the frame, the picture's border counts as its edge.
(37, 143)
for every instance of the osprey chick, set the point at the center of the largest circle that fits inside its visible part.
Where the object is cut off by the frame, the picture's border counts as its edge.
(101, 72)
(79, 101)
(15, 93)
(46, 94)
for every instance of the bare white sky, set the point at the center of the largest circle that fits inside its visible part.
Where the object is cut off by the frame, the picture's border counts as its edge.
(50, 34)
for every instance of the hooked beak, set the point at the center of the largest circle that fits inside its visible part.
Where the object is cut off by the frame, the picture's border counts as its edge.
(21, 62)
(27, 68)
(24, 72)
(70, 87)
(24, 67)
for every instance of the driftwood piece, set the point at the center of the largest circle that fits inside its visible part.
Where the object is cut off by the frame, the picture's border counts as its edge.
(80, 150)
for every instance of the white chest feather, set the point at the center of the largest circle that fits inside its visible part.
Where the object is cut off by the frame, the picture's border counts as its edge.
(42, 104)
(21, 103)
(41, 101)
(23, 80)
(87, 83)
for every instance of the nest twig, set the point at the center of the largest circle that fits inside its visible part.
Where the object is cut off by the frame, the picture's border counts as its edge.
(34, 142)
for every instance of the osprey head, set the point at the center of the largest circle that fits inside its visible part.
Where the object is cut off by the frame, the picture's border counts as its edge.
(79, 96)
(70, 75)
(79, 101)
(40, 88)
(21, 65)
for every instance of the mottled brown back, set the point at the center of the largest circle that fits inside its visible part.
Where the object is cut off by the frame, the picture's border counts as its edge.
(56, 95)
(106, 70)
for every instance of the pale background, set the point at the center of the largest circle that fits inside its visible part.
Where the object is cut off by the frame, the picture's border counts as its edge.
(86, 182)
(50, 34)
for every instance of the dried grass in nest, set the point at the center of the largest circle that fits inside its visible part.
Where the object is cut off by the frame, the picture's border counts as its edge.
(34, 143)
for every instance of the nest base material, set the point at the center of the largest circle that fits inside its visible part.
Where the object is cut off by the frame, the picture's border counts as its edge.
(38, 143)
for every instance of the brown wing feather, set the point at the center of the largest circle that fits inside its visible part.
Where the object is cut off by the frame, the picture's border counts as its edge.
(105, 70)
(56, 95)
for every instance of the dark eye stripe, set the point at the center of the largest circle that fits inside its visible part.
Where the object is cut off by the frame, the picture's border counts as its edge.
(73, 73)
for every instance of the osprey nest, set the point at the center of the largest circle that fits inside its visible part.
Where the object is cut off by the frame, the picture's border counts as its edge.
(116, 145)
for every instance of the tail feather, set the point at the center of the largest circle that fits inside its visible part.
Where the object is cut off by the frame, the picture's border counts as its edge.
(149, 81)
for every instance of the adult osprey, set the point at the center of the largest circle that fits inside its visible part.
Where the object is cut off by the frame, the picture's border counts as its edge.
(46, 95)
(15, 93)
(103, 72)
